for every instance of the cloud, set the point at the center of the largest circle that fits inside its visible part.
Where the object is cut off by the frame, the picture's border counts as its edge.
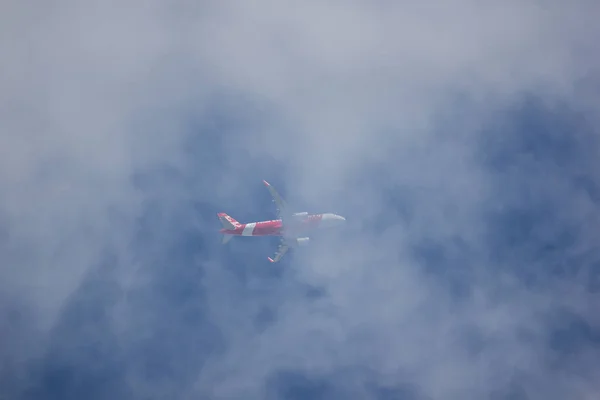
(459, 140)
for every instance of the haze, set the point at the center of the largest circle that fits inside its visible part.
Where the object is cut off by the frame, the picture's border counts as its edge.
(459, 140)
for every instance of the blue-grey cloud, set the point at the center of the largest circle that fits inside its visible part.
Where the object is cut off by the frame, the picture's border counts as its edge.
(460, 141)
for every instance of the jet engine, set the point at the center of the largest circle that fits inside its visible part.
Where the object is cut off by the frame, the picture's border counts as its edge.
(302, 241)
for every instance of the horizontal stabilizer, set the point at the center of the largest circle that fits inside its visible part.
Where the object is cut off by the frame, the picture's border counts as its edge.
(228, 222)
(226, 238)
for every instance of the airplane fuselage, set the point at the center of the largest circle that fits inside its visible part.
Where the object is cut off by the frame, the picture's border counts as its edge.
(293, 228)
(276, 228)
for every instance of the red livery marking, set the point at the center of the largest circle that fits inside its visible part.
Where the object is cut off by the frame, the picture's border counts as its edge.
(314, 220)
(267, 228)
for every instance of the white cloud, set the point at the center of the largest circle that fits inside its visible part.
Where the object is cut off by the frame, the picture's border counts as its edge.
(359, 100)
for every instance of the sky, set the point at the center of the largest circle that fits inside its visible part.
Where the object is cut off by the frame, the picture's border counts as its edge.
(461, 142)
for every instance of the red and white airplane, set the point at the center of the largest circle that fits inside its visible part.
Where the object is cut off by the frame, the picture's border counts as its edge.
(291, 227)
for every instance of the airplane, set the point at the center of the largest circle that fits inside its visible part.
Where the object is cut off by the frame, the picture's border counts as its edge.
(292, 227)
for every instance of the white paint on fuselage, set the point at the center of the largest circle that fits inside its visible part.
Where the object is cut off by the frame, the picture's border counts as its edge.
(248, 229)
(293, 229)
(329, 220)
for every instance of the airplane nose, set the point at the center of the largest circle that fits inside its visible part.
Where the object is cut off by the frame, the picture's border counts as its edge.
(332, 219)
(339, 218)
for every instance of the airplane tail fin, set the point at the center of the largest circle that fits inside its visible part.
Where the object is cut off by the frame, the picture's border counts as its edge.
(227, 221)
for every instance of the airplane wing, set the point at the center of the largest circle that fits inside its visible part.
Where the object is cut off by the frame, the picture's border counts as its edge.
(282, 208)
(281, 250)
